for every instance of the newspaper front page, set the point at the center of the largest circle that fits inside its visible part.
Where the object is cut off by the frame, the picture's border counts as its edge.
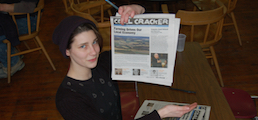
(144, 49)
(201, 112)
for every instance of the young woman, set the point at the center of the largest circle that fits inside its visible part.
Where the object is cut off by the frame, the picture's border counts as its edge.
(88, 92)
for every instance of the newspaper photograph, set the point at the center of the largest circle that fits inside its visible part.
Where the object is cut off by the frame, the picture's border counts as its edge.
(201, 112)
(144, 49)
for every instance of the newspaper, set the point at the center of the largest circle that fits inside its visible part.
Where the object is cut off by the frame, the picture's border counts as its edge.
(144, 49)
(201, 112)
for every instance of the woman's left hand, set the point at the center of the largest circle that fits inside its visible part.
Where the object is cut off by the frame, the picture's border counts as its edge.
(175, 111)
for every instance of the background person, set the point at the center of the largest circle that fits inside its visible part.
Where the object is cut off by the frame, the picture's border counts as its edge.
(8, 30)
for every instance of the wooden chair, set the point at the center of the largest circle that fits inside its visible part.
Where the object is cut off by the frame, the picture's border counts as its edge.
(102, 22)
(231, 4)
(30, 36)
(240, 103)
(79, 5)
(204, 27)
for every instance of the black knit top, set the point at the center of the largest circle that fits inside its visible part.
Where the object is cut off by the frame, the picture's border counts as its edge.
(94, 99)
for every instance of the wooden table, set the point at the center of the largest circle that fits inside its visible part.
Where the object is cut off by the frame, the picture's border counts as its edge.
(192, 72)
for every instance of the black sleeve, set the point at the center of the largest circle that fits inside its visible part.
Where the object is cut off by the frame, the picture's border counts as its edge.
(75, 107)
(152, 116)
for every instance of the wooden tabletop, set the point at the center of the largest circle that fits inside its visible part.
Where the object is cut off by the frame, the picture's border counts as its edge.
(192, 72)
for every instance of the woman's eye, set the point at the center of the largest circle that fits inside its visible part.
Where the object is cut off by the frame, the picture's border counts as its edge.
(95, 42)
(83, 46)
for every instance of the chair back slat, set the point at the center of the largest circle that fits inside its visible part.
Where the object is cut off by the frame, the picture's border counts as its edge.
(192, 33)
(206, 33)
(102, 13)
(38, 20)
(28, 23)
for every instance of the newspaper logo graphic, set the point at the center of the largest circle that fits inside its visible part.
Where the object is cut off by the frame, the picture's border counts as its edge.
(144, 21)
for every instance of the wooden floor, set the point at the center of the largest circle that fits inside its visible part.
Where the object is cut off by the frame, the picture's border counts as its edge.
(31, 93)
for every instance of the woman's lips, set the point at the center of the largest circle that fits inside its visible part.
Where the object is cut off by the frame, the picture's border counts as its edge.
(92, 60)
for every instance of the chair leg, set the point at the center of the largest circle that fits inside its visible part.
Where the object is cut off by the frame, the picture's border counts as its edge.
(9, 62)
(195, 8)
(25, 43)
(37, 44)
(236, 28)
(45, 52)
(216, 65)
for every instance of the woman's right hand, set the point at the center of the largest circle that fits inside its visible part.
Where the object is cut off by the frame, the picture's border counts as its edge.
(127, 11)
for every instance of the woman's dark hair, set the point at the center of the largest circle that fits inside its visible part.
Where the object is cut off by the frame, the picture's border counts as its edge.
(84, 28)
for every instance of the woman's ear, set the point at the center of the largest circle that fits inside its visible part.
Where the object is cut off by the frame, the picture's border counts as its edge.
(67, 52)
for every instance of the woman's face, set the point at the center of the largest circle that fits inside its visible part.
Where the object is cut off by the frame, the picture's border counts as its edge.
(84, 50)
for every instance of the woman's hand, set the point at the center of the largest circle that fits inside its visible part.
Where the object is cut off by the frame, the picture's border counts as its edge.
(175, 111)
(127, 11)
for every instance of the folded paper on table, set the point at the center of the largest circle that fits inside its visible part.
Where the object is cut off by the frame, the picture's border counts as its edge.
(201, 112)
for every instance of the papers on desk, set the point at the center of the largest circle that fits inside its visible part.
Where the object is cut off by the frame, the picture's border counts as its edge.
(144, 49)
(201, 112)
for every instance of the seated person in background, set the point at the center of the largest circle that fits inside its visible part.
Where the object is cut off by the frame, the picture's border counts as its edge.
(8, 30)
(88, 92)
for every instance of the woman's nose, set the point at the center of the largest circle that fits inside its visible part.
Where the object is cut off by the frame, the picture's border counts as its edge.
(93, 50)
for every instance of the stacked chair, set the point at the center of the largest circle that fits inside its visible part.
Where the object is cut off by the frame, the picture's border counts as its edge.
(79, 5)
(204, 27)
